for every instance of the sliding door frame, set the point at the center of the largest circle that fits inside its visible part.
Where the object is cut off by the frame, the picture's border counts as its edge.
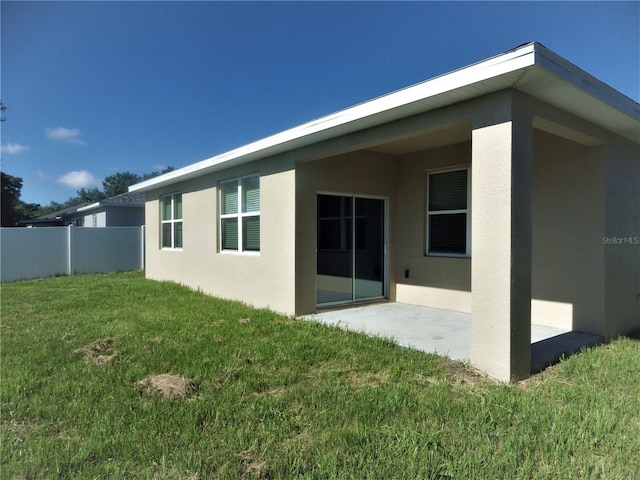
(385, 251)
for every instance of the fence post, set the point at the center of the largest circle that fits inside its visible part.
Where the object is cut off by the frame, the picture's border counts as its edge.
(142, 247)
(69, 251)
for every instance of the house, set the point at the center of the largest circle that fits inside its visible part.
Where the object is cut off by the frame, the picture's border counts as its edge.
(124, 210)
(59, 218)
(508, 189)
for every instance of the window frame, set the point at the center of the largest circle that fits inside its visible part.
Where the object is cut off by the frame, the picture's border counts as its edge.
(467, 211)
(173, 221)
(239, 215)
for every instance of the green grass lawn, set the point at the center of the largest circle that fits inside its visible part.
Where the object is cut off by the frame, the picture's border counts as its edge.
(279, 398)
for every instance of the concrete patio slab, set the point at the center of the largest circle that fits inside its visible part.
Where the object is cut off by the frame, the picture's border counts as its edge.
(426, 329)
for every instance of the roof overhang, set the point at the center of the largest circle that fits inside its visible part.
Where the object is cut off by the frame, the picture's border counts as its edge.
(91, 206)
(104, 204)
(530, 68)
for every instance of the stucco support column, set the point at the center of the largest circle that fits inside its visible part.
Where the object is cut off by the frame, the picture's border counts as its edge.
(501, 243)
(621, 239)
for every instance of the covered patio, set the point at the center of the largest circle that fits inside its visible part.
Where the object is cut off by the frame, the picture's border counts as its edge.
(446, 332)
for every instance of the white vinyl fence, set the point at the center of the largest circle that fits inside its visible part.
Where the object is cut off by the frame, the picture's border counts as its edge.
(27, 253)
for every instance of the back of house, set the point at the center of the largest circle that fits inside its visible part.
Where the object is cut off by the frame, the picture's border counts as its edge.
(508, 189)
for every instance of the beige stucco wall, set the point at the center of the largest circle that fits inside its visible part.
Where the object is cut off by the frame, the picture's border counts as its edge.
(586, 229)
(358, 173)
(433, 281)
(621, 240)
(437, 282)
(263, 280)
(568, 224)
(501, 245)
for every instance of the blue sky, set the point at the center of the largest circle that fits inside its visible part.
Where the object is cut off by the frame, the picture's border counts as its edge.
(94, 88)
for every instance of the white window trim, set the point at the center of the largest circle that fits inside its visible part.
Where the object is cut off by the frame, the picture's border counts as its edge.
(172, 221)
(467, 254)
(240, 215)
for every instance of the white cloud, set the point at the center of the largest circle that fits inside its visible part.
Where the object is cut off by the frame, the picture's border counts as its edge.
(68, 135)
(13, 148)
(78, 179)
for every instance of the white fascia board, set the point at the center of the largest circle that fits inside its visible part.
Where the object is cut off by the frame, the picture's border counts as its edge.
(88, 207)
(347, 121)
(109, 204)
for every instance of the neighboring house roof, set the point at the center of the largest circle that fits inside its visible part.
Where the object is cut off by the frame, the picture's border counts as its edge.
(530, 68)
(56, 218)
(41, 222)
(127, 199)
(60, 213)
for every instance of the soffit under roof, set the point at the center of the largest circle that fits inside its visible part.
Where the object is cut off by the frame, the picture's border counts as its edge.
(449, 134)
(550, 89)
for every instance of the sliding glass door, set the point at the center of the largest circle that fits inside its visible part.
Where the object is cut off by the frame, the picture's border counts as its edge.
(350, 250)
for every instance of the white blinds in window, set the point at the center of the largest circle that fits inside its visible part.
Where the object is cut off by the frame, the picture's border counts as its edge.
(448, 191)
(240, 214)
(447, 213)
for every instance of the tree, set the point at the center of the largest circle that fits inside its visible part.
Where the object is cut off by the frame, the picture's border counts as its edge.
(147, 176)
(27, 211)
(11, 187)
(113, 185)
(119, 183)
(52, 207)
(88, 195)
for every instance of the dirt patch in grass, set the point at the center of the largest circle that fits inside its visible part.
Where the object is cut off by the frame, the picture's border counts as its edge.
(253, 467)
(100, 353)
(299, 440)
(167, 386)
(230, 377)
(361, 380)
(19, 429)
(155, 340)
(463, 375)
(328, 368)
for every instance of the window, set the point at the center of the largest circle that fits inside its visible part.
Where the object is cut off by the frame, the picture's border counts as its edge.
(171, 206)
(240, 214)
(448, 219)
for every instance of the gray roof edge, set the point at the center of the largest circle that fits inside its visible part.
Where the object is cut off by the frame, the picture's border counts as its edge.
(60, 213)
(126, 199)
